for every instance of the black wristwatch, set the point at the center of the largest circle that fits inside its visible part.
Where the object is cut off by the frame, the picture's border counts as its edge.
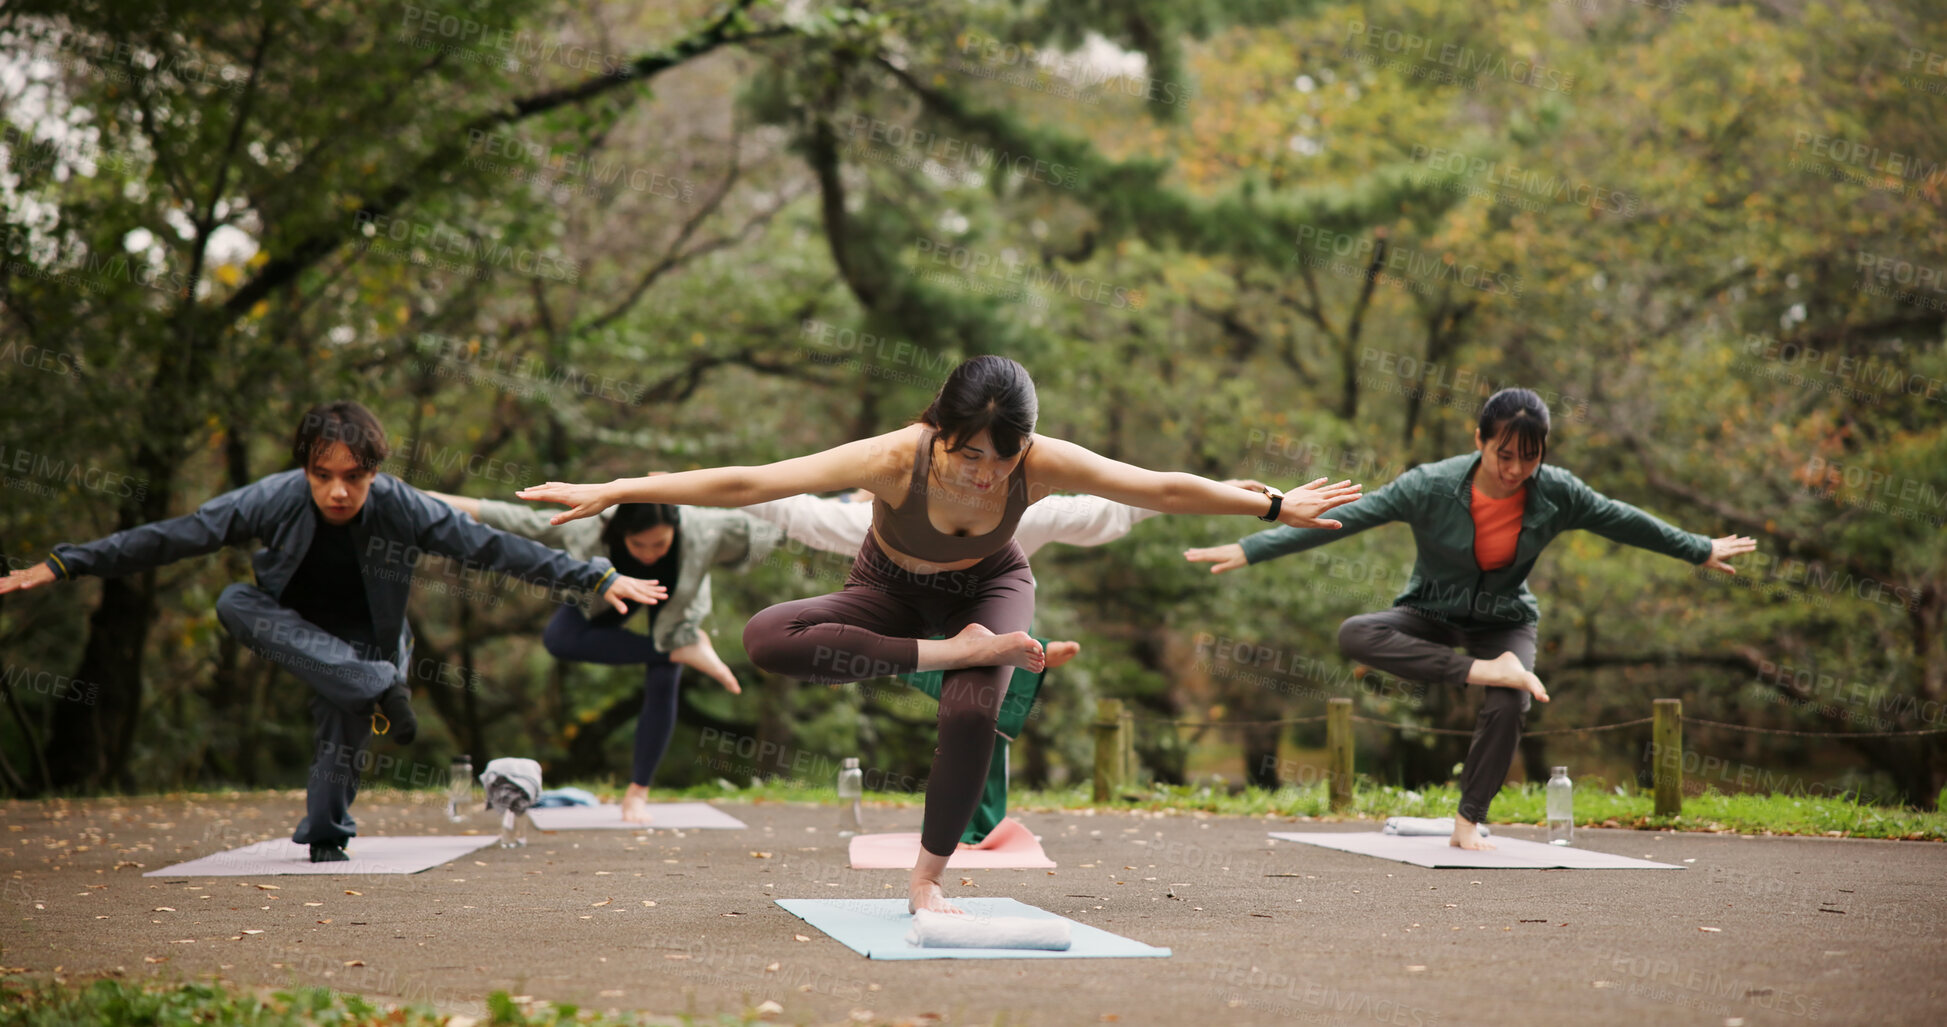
(1277, 503)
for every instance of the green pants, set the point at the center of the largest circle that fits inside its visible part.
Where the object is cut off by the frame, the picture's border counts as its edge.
(1022, 689)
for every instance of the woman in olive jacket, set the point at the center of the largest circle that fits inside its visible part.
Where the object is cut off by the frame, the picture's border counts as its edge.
(680, 543)
(1479, 521)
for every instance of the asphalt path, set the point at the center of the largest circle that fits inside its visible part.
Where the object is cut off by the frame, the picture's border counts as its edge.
(1754, 930)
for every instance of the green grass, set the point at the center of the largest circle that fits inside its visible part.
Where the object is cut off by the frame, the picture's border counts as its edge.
(112, 1003)
(1517, 804)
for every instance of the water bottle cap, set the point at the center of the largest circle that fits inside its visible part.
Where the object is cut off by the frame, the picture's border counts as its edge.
(1561, 771)
(851, 763)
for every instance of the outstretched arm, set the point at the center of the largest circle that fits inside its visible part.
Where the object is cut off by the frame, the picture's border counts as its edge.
(1063, 466)
(229, 519)
(1618, 521)
(1390, 503)
(831, 525)
(444, 530)
(867, 463)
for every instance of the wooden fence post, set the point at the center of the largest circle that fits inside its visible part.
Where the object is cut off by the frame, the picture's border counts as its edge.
(1338, 751)
(1109, 756)
(1666, 751)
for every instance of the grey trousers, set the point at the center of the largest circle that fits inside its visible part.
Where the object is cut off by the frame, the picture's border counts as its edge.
(1415, 647)
(346, 676)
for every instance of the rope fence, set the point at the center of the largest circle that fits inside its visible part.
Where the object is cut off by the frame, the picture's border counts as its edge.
(1115, 760)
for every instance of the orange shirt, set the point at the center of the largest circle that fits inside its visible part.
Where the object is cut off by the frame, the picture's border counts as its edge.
(1497, 524)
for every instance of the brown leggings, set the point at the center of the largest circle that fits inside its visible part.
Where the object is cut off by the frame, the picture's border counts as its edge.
(872, 629)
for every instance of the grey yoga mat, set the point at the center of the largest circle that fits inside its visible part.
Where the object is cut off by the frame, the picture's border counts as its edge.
(687, 816)
(1433, 851)
(406, 854)
(877, 928)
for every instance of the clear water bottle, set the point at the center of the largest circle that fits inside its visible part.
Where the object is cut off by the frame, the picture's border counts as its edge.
(513, 829)
(1561, 808)
(851, 795)
(459, 788)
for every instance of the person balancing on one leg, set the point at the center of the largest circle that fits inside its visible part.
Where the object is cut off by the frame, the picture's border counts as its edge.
(1479, 521)
(340, 543)
(941, 559)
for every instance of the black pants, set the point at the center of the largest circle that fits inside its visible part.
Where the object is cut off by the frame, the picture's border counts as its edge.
(872, 629)
(573, 637)
(347, 671)
(1413, 646)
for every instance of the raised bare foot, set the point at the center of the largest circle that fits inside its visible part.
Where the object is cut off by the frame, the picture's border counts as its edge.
(1061, 652)
(1506, 671)
(1467, 836)
(927, 895)
(635, 805)
(983, 648)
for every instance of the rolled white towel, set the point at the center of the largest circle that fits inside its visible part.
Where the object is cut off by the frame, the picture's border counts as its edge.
(1425, 826)
(968, 931)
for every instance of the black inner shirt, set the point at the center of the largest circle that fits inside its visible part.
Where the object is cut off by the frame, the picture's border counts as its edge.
(328, 589)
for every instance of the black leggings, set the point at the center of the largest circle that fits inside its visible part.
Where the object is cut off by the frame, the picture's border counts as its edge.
(1413, 646)
(570, 636)
(872, 629)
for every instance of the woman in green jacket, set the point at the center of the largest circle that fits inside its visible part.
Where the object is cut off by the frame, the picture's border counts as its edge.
(1479, 521)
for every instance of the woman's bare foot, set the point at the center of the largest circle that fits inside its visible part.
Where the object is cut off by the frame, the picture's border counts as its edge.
(1506, 671)
(927, 895)
(1059, 653)
(975, 646)
(635, 805)
(1467, 836)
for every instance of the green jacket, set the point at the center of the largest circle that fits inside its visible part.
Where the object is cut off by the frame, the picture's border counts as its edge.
(706, 537)
(1437, 500)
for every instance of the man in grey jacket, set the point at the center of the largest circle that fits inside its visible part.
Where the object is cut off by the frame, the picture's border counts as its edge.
(341, 541)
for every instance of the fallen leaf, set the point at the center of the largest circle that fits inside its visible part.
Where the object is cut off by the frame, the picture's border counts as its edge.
(314, 903)
(348, 891)
(604, 902)
(354, 962)
(252, 932)
(800, 937)
(268, 887)
(164, 909)
(155, 959)
(1713, 930)
(648, 902)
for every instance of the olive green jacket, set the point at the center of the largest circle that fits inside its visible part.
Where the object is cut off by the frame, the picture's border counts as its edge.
(1437, 500)
(706, 537)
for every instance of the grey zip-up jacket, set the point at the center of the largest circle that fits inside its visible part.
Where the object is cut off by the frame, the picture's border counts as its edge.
(706, 537)
(397, 524)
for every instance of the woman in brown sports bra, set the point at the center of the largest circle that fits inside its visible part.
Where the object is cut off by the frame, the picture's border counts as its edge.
(941, 562)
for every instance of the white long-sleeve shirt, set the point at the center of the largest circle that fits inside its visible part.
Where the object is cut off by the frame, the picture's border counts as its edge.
(840, 526)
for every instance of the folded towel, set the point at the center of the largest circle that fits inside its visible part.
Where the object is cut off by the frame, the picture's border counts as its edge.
(554, 797)
(1425, 826)
(519, 780)
(966, 931)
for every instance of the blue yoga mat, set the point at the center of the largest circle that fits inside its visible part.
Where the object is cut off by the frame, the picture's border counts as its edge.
(876, 929)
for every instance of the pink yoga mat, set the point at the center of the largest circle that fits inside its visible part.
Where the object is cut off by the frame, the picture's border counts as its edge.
(1009, 846)
(407, 854)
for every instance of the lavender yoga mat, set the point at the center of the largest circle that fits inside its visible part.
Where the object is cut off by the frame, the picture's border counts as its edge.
(1009, 846)
(687, 816)
(1434, 852)
(407, 854)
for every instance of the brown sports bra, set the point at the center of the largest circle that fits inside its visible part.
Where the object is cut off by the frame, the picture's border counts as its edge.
(909, 529)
